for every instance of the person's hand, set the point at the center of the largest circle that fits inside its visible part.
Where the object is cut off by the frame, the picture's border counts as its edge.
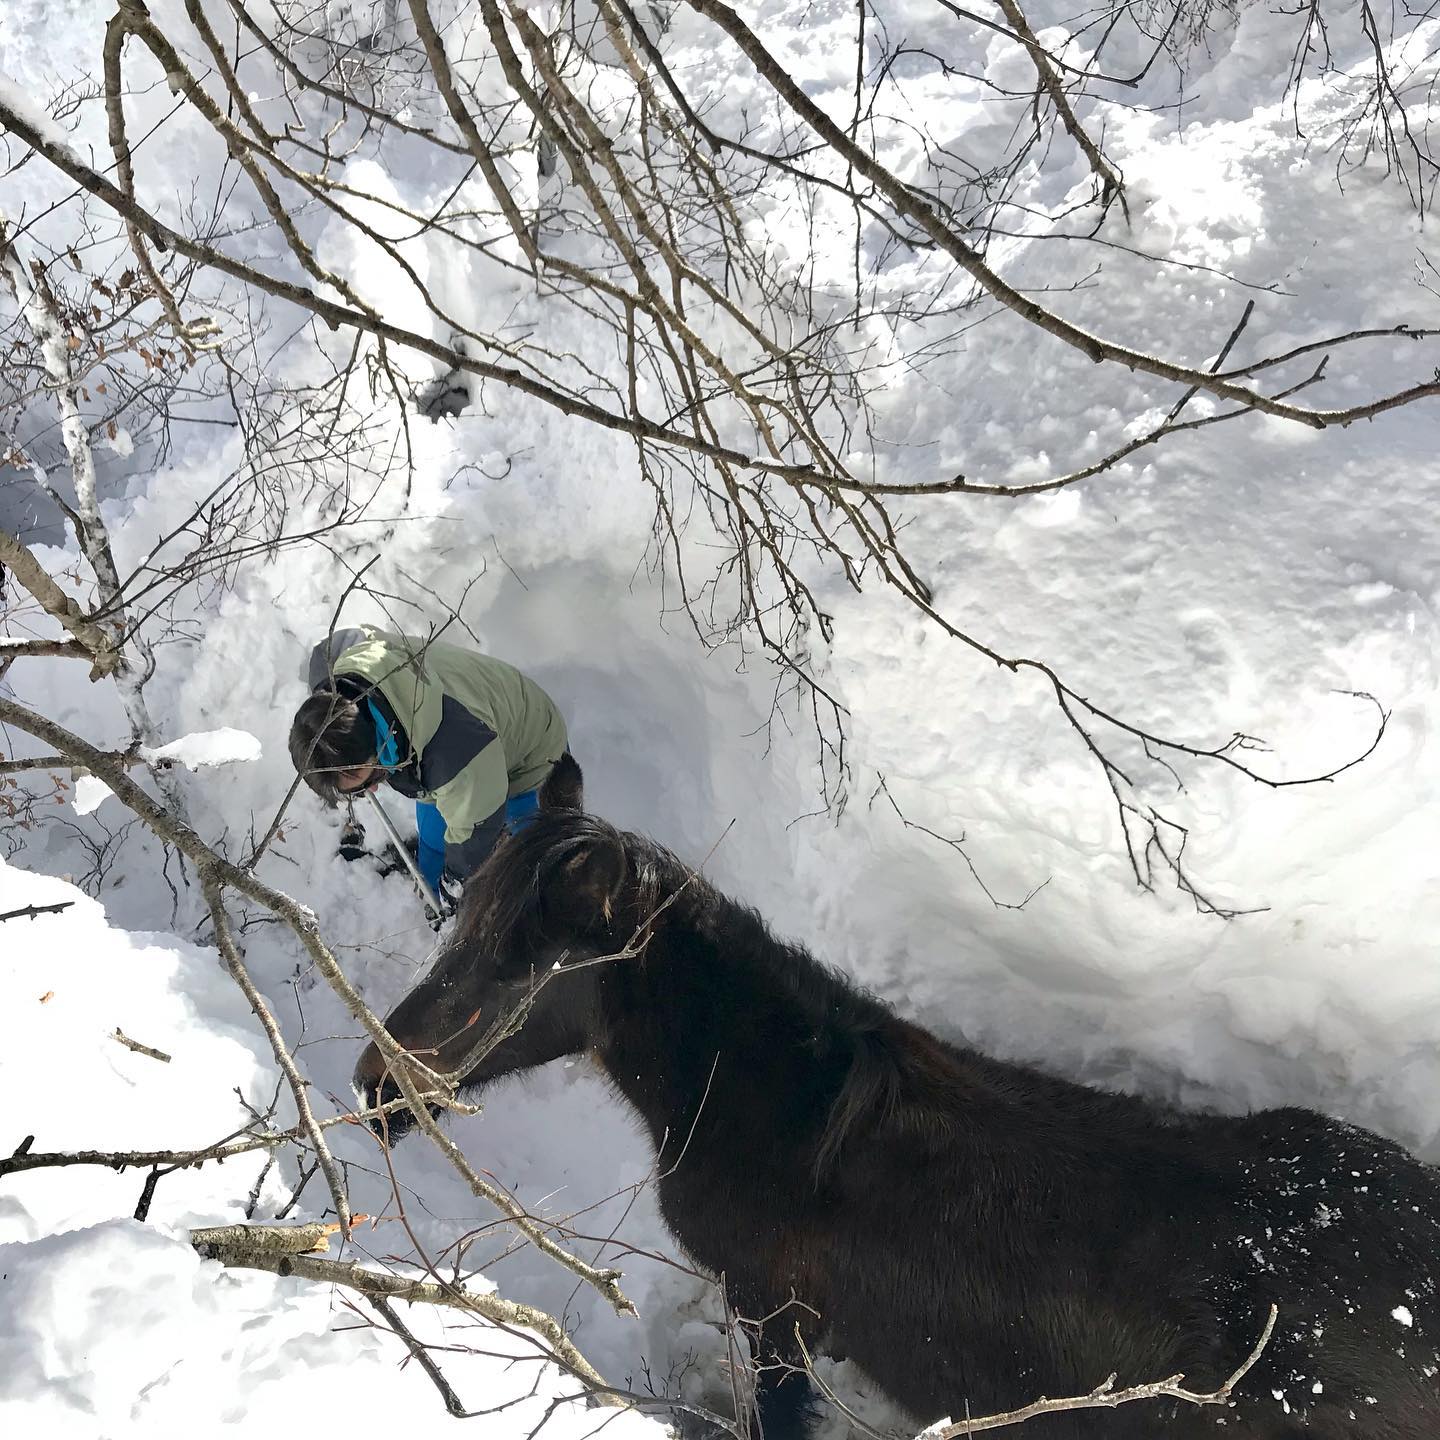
(437, 919)
(352, 840)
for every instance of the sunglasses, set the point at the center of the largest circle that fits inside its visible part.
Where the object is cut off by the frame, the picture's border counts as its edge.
(373, 776)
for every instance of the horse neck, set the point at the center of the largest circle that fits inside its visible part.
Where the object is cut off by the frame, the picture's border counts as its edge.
(719, 1019)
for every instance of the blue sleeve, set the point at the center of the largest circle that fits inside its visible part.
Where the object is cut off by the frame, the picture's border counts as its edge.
(464, 859)
(520, 810)
(430, 826)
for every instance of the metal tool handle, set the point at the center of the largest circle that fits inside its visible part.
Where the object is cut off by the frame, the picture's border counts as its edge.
(421, 883)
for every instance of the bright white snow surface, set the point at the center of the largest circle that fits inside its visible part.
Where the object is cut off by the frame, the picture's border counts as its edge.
(1241, 578)
(115, 1328)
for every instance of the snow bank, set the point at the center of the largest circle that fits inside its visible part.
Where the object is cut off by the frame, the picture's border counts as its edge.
(1241, 578)
(113, 1328)
(71, 981)
(119, 1330)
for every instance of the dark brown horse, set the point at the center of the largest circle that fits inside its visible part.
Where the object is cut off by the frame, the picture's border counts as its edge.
(973, 1234)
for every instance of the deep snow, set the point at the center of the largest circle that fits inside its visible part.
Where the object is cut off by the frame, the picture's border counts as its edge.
(1245, 577)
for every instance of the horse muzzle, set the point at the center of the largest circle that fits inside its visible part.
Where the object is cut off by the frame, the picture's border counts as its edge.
(392, 1124)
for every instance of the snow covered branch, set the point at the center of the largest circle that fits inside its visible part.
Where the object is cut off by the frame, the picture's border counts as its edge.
(37, 302)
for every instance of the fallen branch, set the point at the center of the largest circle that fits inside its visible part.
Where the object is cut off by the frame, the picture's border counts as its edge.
(286, 1250)
(23, 1158)
(313, 1238)
(29, 912)
(1106, 1397)
(138, 1048)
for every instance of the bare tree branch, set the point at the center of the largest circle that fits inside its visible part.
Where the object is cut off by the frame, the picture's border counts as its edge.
(262, 1248)
(36, 649)
(29, 912)
(1106, 1397)
(20, 562)
(214, 898)
(140, 1049)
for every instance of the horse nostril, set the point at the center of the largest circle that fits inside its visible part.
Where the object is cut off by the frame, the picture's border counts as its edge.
(394, 1123)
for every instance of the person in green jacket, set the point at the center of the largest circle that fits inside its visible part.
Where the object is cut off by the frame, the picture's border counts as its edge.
(477, 745)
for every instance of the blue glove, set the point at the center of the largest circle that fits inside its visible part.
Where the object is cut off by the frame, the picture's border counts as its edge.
(430, 826)
(520, 810)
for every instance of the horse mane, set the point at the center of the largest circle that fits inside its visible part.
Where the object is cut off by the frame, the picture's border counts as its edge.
(504, 900)
(871, 1094)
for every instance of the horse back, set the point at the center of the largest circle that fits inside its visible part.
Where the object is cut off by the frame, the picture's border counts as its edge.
(1055, 1234)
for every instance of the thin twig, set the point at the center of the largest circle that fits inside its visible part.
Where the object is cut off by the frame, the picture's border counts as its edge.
(214, 898)
(420, 1355)
(1106, 1397)
(140, 1049)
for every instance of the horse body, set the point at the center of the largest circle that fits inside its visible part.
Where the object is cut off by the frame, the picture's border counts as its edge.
(973, 1234)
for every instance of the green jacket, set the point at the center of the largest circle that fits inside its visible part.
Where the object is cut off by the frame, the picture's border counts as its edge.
(471, 730)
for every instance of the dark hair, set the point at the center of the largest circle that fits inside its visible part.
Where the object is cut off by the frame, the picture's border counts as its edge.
(330, 733)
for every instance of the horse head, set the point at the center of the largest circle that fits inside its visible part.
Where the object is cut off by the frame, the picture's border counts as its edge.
(515, 985)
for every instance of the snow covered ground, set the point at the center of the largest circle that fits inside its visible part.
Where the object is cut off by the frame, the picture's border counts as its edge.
(116, 1328)
(1248, 577)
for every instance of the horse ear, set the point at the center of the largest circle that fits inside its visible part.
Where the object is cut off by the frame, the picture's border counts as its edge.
(586, 884)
